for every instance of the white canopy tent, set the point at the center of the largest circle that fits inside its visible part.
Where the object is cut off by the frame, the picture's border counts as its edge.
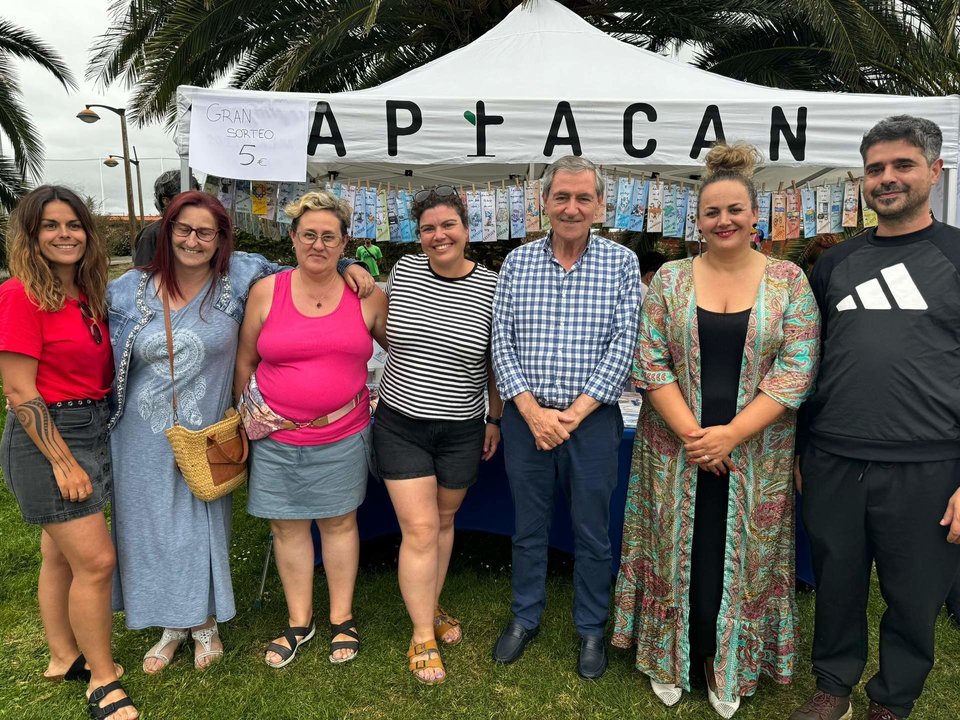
(545, 83)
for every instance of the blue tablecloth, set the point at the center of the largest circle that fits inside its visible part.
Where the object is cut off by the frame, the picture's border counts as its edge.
(488, 507)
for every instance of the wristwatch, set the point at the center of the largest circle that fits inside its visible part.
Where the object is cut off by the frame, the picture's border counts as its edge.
(490, 420)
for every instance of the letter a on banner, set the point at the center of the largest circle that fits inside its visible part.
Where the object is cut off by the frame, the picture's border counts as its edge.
(250, 138)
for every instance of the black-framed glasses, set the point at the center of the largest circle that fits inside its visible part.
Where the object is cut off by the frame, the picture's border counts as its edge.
(309, 238)
(440, 191)
(92, 323)
(182, 230)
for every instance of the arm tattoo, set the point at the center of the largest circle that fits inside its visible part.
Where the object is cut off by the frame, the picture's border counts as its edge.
(35, 419)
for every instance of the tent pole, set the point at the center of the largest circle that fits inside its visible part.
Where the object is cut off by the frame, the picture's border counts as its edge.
(950, 196)
(184, 173)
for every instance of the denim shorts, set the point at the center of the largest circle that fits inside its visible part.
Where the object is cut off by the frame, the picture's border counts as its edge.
(407, 447)
(29, 475)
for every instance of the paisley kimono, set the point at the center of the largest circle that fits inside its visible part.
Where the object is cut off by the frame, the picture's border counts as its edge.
(755, 627)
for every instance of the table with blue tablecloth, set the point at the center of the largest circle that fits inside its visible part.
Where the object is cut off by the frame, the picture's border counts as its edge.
(488, 507)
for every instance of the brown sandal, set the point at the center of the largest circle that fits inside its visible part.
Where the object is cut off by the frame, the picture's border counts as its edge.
(444, 622)
(433, 661)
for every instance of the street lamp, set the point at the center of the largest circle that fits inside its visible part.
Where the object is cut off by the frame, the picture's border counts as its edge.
(111, 162)
(89, 116)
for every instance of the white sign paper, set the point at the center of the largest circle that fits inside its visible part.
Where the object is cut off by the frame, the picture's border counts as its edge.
(251, 137)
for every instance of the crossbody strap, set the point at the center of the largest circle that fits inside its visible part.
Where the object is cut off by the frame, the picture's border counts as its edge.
(169, 328)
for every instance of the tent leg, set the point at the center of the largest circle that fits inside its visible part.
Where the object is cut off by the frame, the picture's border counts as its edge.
(263, 577)
(950, 196)
(184, 173)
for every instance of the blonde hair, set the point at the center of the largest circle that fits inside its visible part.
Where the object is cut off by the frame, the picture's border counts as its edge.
(320, 200)
(28, 264)
(735, 162)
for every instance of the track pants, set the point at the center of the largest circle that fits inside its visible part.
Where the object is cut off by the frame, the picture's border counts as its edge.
(859, 513)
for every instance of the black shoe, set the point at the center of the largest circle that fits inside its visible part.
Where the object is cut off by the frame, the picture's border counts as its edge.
(592, 661)
(512, 642)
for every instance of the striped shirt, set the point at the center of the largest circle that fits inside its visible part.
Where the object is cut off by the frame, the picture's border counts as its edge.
(559, 334)
(439, 334)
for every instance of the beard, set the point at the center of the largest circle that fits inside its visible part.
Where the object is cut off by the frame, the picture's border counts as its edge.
(905, 205)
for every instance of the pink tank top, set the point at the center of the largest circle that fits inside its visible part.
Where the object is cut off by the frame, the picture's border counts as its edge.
(312, 366)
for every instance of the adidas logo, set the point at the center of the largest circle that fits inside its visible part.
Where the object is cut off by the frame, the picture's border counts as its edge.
(871, 295)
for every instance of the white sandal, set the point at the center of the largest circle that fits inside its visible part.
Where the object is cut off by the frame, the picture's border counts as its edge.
(170, 635)
(205, 638)
(667, 693)
(724, 709)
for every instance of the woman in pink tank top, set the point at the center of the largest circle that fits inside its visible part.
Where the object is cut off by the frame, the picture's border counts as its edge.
(308, 338)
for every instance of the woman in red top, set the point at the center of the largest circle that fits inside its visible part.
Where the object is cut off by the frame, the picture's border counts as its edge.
(56, 366)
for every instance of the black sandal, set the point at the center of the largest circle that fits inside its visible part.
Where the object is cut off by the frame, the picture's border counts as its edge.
(348, 628)
(288, 653)
(101, 713)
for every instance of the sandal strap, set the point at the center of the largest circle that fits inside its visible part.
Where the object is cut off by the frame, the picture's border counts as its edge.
(282, 650)
(422, 648)
(347, 627)
(78, 671)
(291, 635)
(101, 713)
(344, 645)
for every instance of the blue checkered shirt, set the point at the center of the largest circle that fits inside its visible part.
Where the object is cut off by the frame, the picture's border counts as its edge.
(561, 334)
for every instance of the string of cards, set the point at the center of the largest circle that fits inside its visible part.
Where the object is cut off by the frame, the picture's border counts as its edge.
(512, 211)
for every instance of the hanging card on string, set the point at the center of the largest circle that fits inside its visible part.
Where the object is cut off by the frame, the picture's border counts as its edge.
(823, 210)
(793, 214)
(851, 194)
(488, 210)
(836, 208)
(518, 224)
(808, 203)
(690, 229)
(502, 201)
(638, 206)
(655, 207)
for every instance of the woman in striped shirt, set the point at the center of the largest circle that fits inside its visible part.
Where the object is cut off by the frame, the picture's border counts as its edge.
(430, 431)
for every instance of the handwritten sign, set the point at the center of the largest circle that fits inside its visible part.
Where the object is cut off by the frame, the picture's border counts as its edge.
(249, 137)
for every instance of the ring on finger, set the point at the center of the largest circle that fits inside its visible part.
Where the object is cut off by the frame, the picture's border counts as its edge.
(707, 458)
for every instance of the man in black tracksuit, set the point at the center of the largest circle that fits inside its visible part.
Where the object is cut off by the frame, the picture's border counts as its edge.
(879, 443)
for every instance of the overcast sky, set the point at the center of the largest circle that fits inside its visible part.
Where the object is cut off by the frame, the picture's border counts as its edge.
(75, 150)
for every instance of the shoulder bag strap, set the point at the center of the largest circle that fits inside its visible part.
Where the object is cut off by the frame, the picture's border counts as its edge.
(169, 328)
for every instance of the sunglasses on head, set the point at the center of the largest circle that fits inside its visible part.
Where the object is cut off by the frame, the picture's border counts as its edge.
(92, 323)
(440, 191)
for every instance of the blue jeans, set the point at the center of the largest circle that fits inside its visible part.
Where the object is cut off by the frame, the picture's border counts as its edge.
(585, 466)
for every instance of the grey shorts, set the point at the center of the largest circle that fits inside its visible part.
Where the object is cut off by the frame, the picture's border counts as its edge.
(29, 475)
(306, 482)
(407, 447)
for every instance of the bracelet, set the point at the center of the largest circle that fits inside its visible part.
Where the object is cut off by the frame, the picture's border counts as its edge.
(490, 420)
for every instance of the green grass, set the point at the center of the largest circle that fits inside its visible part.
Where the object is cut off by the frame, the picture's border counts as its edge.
(543, 684)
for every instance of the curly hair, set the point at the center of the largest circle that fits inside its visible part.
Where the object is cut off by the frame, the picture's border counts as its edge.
(432, 200)
(320, 200)
(27, 263)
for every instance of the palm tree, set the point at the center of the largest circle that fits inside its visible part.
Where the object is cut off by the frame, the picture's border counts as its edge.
(337, 45)
(907, 47)
(26, 149)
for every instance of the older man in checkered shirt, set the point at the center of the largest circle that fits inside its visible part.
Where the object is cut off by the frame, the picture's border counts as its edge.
(565, 324)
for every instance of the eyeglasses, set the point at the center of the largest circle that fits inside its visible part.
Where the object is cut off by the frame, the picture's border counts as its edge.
(440, 191)
(92, 323)
(182, 230)
(309, 238)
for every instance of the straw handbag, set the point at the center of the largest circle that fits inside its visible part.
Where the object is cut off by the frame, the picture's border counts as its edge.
(212, 460)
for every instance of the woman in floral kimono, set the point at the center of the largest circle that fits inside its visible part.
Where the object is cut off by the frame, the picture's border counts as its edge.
(727, 350)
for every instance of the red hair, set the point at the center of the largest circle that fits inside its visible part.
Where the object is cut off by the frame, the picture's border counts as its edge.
(162, 262)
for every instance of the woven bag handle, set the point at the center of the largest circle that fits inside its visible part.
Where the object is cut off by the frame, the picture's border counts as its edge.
(169, 328)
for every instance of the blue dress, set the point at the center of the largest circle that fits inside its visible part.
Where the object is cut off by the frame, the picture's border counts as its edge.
(173, 551)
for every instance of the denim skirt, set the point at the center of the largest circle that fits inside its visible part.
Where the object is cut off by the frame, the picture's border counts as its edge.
(30, 477)
(307, 482)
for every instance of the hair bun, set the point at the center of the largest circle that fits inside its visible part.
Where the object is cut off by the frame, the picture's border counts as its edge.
(738, 159)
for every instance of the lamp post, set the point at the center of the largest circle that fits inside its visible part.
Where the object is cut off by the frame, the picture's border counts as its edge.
(111, 161)
(89, 116)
